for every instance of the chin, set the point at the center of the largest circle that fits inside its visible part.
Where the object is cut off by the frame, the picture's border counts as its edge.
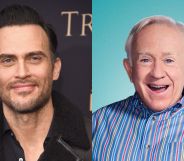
(158, 107)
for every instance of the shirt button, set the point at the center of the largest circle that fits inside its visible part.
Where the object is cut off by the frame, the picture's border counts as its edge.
(21, 159)
(154, 118)
(148, 146)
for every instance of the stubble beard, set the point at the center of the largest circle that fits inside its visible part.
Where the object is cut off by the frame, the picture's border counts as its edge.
(32, 105)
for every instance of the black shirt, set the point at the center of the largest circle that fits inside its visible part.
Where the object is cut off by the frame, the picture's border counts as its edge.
(67, 136)
(12, 148)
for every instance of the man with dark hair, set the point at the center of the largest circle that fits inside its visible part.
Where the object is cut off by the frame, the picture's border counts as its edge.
(35, 123)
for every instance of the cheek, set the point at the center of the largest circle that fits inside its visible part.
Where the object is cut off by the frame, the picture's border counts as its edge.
(44, 78)
(4, 81)
(5, 78)
(176, 74)
(178, 80)
(139, 74)
(42, 72)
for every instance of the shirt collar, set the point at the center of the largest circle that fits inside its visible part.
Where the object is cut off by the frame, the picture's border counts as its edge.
(140, 106)
(148, 112)
(6, 127)
(181, 101)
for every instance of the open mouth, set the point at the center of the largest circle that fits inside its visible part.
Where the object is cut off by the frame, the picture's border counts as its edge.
(158, 88)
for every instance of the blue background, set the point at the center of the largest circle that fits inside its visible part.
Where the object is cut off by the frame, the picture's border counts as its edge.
(112, 21)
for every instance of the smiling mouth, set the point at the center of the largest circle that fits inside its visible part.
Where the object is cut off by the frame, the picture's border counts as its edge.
(23, 88)
(158, 88)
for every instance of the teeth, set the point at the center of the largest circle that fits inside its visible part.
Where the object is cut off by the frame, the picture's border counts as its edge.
(154, 86)
(158, 87)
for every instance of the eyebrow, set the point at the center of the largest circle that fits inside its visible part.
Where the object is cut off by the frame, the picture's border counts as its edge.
(149, 54)
(36, 53)
(167, 54)
(2, 55)
(7, 55)
(144, 54)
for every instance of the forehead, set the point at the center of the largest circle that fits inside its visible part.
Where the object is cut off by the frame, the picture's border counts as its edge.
(24, 38)
(156, 28)
(159, 38)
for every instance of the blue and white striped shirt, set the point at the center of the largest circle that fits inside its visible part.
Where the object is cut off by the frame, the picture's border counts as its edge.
(129, 131)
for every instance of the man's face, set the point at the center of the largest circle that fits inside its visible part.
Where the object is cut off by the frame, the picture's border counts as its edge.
(157, 69)
(26, 69)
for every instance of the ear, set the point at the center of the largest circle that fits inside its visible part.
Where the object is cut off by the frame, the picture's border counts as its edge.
(57, 68)
(128, 68)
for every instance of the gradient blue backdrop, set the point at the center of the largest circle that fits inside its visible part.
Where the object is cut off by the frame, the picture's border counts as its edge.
(112, 21)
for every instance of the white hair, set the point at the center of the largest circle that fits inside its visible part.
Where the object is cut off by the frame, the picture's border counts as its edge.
(157, 19)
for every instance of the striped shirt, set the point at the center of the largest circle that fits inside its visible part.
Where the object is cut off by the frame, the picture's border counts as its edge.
(129, 131)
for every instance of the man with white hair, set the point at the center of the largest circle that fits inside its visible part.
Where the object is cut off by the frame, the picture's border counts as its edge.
(148, 125)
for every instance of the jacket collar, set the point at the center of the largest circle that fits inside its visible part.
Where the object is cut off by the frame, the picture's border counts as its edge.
(68, 122)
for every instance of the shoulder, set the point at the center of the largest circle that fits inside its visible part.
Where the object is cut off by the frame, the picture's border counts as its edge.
(112, 108)
(73, 125)
(86, 154)
(110, 112)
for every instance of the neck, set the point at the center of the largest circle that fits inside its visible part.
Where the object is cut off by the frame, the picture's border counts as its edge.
(30, 128)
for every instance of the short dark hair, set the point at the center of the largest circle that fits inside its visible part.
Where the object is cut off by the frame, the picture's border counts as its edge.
(24, 15)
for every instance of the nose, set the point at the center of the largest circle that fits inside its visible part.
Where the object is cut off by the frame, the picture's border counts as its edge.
(157, 71)
(22, 70)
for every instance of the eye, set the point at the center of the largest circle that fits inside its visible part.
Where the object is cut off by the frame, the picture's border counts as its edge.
(144, 60)
(7, 61)
(168, 60)
(35, 58)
